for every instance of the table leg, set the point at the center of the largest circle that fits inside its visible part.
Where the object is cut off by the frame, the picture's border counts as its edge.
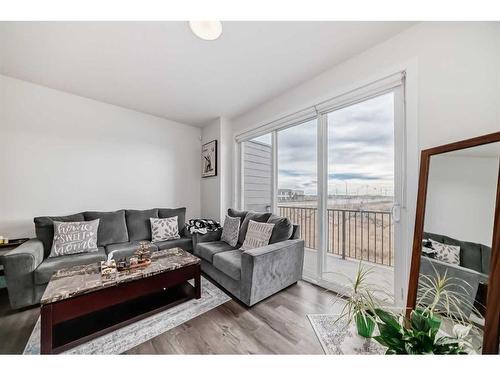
(46, 329)
(197, 285)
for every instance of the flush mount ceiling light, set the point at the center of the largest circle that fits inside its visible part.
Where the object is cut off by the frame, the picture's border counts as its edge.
(206, 30)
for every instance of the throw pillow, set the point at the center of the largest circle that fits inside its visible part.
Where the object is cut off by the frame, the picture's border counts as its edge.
(164, 229)
(260, 217)
(283, 228)
(258, 235)
(231, 230)
(74, 237)
(446, 253)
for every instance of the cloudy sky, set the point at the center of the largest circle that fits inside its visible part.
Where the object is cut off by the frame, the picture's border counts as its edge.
(360, 151)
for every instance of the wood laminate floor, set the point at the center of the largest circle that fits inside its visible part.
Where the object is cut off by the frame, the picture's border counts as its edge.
(277, 325)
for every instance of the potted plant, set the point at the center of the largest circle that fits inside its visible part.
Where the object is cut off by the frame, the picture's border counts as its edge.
(440, 298)
(362, 298)
(419, 336)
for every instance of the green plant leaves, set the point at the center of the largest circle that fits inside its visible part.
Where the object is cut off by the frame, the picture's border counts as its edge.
(420, 338)
(425, 322)
(389, 319)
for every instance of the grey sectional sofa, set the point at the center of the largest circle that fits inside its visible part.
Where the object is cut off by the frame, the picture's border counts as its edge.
(253, 275)
(28, 268)
(250, 275)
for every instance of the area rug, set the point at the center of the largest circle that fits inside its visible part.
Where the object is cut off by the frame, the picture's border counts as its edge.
(338, 337)
(126, 338)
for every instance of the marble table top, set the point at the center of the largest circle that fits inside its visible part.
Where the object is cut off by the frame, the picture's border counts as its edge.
(74, 281)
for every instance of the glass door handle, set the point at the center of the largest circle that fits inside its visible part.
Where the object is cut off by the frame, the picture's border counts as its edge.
(396, 212)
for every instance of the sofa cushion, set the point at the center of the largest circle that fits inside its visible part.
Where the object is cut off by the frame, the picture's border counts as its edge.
(485, 259)
(259, 217)
(126, 249)
(112, 226)
(183, 243)
(138, 225)
(44, 228)
(49, 266)
(229, 262)
(180, 212)
(207, 250)
(235, 213)
(470, 254)
(282, 230)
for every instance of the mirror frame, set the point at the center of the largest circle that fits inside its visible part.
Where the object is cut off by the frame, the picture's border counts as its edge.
(492, 317)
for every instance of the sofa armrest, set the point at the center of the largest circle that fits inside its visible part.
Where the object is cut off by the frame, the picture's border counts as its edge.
(268, 269)
(19, 264)
(185, 233)
(207, 237)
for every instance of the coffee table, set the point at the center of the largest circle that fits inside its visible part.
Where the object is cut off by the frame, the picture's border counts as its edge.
(79, 304)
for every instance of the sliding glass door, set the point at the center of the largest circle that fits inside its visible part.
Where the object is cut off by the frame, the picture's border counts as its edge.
(361, 192)
(297, 194)
(338, 172)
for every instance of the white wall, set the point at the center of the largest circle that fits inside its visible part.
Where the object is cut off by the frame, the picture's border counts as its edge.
(62, 154)
(210, 186)
(461, 197)
(216, 192)
(226, 166)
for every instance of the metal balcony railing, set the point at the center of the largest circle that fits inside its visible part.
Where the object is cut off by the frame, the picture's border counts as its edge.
(356, 234)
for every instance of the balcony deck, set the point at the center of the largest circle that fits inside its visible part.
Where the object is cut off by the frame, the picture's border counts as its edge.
(382, 276)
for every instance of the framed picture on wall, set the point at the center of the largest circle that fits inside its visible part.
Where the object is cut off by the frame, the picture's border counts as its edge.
(209, 159)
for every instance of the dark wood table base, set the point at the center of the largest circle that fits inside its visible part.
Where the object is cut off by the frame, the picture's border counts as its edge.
(73, 321)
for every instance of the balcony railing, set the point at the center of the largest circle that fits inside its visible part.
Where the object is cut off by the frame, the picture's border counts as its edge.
(356, 234)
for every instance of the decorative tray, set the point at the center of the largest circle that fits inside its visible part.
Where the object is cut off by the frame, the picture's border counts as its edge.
(145, 263)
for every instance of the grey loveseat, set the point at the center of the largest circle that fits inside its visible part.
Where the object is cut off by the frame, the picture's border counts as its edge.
(28, 268)
(255, 274)
(473, 268)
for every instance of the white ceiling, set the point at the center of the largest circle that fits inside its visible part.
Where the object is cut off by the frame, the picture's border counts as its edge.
(162, 69)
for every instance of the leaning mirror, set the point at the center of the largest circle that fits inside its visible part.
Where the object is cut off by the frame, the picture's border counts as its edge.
(454, 239)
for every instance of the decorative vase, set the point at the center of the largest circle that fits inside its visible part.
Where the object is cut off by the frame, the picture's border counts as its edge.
(365, 325)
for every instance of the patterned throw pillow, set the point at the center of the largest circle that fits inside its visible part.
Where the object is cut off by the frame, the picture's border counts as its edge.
(231, 230)
(74, 237)
(258, 235)
(446, 253)
(164, 229)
